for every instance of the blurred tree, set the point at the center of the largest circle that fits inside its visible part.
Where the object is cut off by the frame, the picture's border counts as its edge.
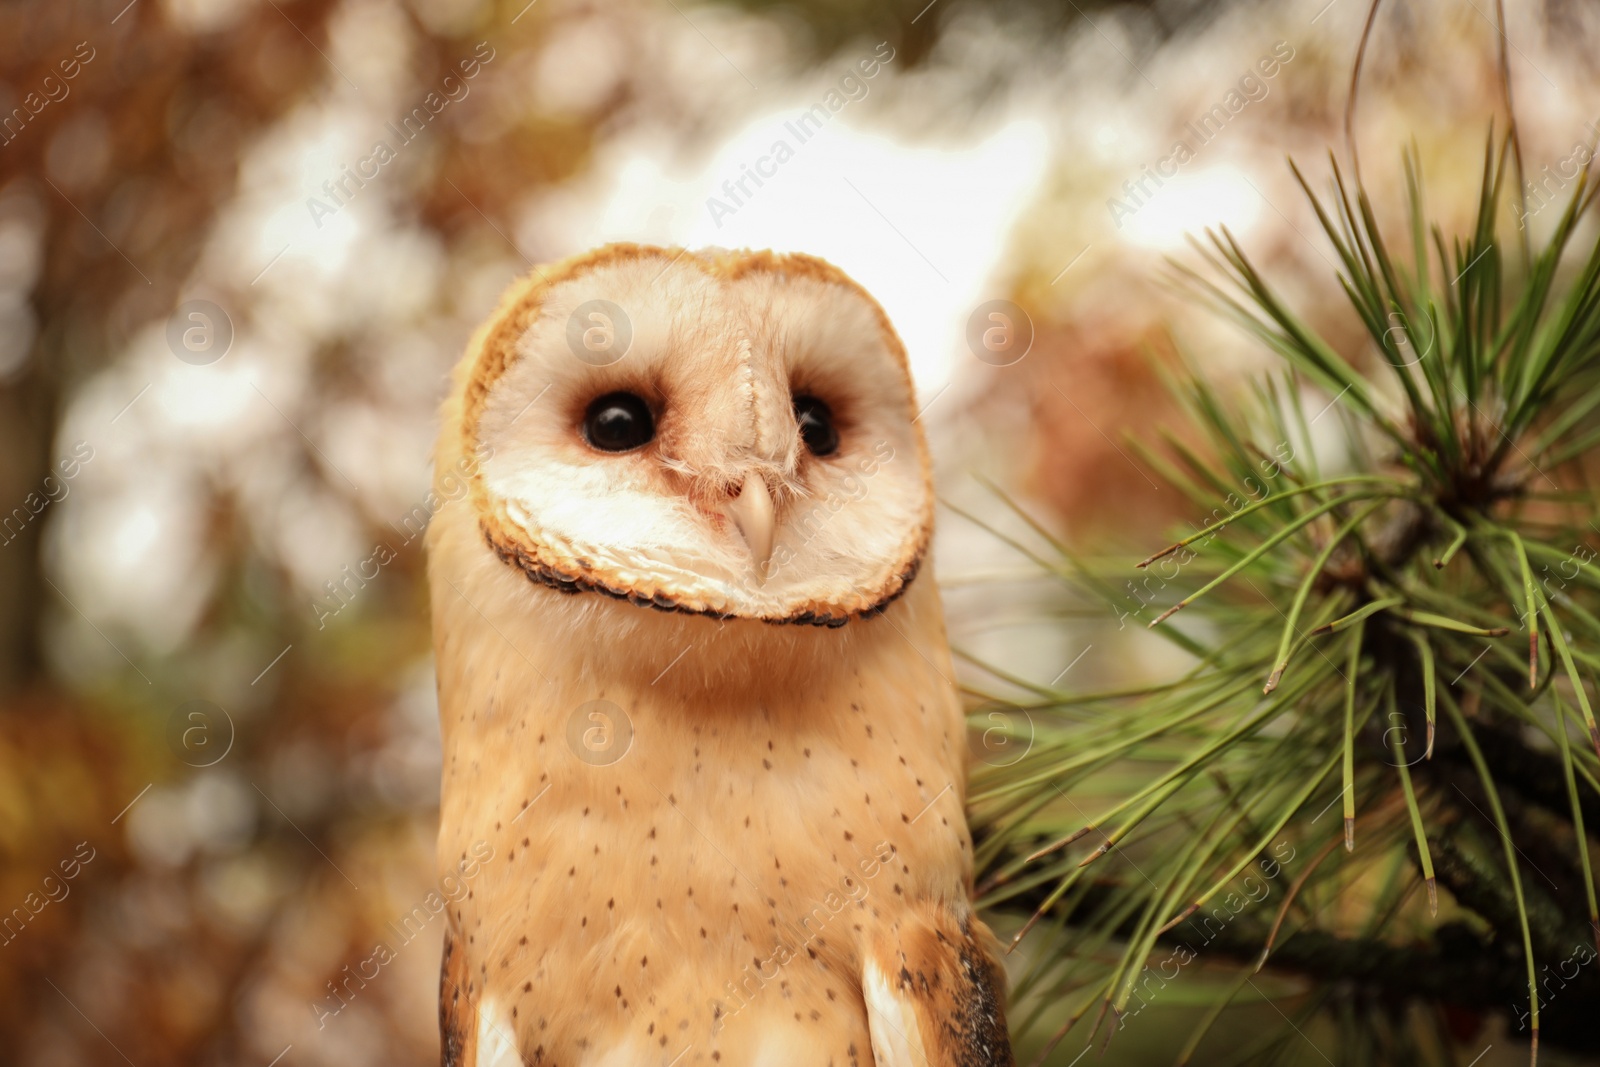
(118, 182)
(914, 26)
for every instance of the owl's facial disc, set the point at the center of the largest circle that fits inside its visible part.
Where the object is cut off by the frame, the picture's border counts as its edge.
(740, 442)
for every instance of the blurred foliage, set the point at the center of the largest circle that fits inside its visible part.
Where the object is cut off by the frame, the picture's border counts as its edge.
(828, 25)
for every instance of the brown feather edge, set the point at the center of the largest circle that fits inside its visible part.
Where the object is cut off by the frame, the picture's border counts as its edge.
(494, 348)
(563, 583)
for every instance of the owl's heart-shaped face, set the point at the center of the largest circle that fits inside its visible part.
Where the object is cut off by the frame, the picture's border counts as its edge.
(730, 434)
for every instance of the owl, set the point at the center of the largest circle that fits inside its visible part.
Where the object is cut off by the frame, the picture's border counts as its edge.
(704, 757)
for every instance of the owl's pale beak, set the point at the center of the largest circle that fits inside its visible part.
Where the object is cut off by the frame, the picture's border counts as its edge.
(752, 513)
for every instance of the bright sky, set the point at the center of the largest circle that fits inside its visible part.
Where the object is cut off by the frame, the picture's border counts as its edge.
(922, 227)
(1218, 195)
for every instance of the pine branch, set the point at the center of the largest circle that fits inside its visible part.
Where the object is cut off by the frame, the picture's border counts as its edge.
(1424, 629)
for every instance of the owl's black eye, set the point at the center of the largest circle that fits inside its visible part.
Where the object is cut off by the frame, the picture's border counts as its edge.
(618, 422)
(816, 425)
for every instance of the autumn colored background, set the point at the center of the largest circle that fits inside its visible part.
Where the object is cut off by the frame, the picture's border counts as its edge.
(220, 357)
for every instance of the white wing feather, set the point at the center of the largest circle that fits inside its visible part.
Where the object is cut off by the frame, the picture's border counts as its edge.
(891, 1022)
(495, 1046)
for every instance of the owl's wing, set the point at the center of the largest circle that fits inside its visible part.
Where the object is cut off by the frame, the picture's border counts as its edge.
(458, 1013)
(473, 1032)
(934, 993)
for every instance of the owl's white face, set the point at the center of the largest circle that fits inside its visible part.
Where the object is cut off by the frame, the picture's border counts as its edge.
(722, 433)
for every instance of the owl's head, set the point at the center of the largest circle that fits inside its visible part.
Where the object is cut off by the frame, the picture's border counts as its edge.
(728, 434)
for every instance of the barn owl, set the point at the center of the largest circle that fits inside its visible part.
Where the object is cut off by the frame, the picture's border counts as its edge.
(696, 697)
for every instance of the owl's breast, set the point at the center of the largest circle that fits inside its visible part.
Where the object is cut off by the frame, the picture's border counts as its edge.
(702, 876)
